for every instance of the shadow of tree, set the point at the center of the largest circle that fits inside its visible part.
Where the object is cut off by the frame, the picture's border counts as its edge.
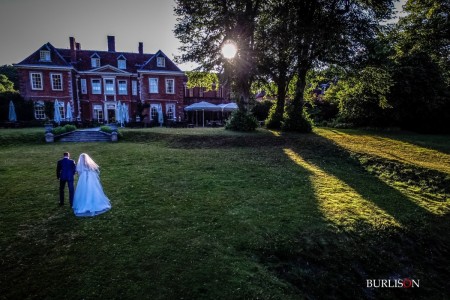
(335, 263)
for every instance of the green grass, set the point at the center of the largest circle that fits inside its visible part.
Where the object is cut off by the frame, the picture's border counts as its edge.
(213, 214)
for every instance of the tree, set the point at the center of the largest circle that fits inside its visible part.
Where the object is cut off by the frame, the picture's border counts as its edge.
(328, 32)
(361, 97)
(276, 56)
(421, 70)
(202, 79)
(425, 29)
(5, 84)
(205, 26)
(11, 73)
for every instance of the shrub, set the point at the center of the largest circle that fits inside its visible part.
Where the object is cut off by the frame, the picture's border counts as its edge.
(274, 119)
(106, 129)
(261, 109)
(241, 121)
(298, 120)
(63, 129)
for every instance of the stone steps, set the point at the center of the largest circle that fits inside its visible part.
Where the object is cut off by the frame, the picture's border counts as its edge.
(78, 136)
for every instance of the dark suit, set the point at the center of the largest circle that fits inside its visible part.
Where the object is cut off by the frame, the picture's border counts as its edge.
(65, 170)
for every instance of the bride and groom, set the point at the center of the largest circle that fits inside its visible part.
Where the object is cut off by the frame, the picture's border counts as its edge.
(88, 199)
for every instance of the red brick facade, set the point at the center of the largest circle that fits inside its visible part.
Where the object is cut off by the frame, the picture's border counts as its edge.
(94, 82)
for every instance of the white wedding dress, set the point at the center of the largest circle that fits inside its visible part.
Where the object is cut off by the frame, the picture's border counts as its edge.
(89, 199)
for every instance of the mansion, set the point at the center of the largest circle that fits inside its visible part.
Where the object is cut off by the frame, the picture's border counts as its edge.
(91, 83)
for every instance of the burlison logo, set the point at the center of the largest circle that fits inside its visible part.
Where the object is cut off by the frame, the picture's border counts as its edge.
(405, 283)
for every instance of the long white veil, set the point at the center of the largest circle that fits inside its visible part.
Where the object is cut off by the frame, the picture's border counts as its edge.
(86, 163)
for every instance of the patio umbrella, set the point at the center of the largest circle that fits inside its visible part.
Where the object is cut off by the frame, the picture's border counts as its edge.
(57, 116)
(69, 112)
(118, 112)
(228, 106)
(126, 114)
(160, 115)
(12, 112)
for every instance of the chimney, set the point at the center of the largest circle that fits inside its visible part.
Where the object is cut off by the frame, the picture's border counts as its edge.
(73, 52)
(141, 48)
(78, 46)
(111, 44)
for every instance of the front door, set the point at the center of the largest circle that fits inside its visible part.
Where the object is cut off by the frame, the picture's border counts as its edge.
(111, 115)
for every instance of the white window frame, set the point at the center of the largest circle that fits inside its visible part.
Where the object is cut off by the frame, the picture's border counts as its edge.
(95, 62)
(121, 64)
(106, 86)
(44, 55)
(39, 110)
(122, 86)
(154, 86)
(53, 76)
(83, 86)
(168, 107)
(98, 113)
(153, 112)
(34, 84)
(94, 89)
(161, 61)
(168, 91)
(134, 87)
(62, 110)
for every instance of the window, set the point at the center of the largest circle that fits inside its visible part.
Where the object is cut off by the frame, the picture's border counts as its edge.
(134, 87)
(56, 82)
(98, 113)
(36, 81)
(96, 85)
(153, 83)
(191, 92)
(39, 112)
(83, 86)
(200, 92)
(122, 87)
(122, 64)
(95, 61)
(109, 87)
(170, 86)
(170, 111)
(44, 55)
(62, 110)
(160, 62)
(153, 112)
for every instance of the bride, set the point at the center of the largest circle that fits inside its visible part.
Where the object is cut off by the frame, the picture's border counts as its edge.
(89, 199)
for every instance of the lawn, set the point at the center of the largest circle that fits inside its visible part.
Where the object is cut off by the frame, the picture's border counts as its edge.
(213, 214)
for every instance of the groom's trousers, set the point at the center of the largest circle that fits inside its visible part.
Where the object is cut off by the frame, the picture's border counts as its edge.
(62, 186)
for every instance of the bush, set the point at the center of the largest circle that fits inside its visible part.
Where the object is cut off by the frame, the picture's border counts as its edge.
(63, 129)
(297, 120)
(261, 109)
(106, 129)
(241, 121)
(274, 119)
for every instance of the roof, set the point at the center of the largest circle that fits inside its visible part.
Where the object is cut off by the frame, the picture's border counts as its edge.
(135, 62)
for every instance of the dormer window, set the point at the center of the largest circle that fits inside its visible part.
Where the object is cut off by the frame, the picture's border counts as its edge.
(45, 55)
(160, 62)
(121, 62)
(95, 61)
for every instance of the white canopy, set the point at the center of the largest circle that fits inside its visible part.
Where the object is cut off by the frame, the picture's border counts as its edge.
(205, 106)
(228, 106)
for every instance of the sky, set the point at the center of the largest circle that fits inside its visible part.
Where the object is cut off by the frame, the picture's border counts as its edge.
(26, 25)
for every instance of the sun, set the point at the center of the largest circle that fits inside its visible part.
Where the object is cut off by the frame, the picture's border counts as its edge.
(229, 50)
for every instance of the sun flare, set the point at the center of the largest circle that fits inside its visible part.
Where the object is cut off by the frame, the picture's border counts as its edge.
(229, 50)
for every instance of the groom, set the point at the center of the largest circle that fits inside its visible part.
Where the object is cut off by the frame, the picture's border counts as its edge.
(65, 171)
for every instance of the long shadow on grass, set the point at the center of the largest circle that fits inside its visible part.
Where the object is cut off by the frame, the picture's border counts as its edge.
(349, 171)
(337, 263)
